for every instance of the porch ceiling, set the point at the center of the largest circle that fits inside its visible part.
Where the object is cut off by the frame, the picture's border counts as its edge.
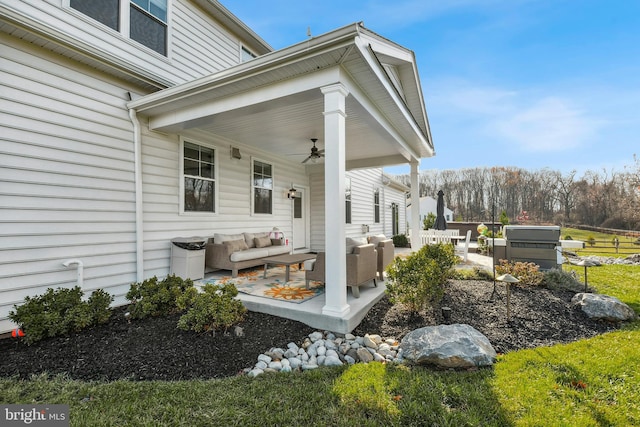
(285, 127)
(275, 103)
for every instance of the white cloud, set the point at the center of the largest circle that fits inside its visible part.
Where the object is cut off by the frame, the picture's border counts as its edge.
(549, 124)
(527, 121)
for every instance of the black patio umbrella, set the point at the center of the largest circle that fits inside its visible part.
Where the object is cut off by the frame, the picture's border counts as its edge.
(441, 222)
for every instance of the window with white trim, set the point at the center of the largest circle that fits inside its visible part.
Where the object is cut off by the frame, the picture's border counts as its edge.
(199, 178)
(262, 187)
(148, 24)
(376, 205)
(246, 54)
(347, 199)
(147, 19)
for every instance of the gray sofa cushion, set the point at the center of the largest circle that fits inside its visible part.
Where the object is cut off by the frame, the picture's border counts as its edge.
(352, 242)
(250, 238)
(221, 238)
(262, 242)
(248, 254)
(236, 245)
(278, 250)
(377, 239)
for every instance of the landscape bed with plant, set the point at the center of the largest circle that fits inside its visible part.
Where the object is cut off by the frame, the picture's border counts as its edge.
(96, 370)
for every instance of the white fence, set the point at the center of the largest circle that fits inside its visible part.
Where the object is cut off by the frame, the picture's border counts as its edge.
(431, 236)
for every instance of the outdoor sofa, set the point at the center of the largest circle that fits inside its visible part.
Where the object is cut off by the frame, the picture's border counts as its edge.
(237, 251)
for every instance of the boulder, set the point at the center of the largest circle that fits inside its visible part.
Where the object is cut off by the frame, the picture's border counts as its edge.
(364, 355)
(448, 346)
(603, 307)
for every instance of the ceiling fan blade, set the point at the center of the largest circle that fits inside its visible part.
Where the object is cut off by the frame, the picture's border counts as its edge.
(306, 160)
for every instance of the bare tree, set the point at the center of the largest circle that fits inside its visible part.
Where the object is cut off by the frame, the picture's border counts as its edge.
(597, 198)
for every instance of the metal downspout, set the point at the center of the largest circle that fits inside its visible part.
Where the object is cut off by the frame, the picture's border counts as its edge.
(137, 159)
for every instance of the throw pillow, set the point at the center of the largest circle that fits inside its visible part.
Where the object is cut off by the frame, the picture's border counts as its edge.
(236, 245)
(352, 242)
(249, 238)
(377, 239)
(221, 238)
(262, 242)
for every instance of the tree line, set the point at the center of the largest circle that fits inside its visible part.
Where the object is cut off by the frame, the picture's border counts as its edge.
(600, 199)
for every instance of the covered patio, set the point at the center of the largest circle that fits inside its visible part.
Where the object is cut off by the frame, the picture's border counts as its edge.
(358, 93)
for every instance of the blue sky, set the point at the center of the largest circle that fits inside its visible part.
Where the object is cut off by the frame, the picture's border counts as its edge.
(523, 83)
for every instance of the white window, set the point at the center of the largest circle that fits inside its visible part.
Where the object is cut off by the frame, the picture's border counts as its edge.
(148, 24)
(347, 199)
(246, 54)
(146, 20)
(262, 187)
(376, 206)
(199, 178)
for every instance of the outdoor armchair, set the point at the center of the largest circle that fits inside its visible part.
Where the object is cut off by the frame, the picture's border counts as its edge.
(361, 268)
(386, 252)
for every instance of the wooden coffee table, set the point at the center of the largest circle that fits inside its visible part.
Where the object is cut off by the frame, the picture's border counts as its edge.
(287, 260)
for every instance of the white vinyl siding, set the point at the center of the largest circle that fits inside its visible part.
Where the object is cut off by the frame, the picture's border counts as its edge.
(197, 45)
(363, 181)
(66, 177)
(200, 47)
(161, 178)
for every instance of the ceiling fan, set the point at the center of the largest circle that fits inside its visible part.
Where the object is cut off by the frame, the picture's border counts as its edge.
(315, 153)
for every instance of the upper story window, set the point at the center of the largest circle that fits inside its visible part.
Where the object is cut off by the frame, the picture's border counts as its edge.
(199, 178)
(262, 184)
(104, 11)
(148, 24)
(246, 55)
(146, 19)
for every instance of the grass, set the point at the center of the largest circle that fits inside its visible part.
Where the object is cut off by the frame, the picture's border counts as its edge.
(593, 382)
(603, 243)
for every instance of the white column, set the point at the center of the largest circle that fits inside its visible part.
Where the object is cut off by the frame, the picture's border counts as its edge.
(334, 204)
(416, 243)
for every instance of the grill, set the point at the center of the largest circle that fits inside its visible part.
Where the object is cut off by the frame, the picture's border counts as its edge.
(537, 244)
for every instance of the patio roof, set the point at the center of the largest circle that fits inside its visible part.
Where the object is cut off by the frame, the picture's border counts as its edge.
(275, 102)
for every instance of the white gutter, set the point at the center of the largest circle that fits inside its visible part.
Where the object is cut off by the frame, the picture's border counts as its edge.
(341, 37)
(137, 159)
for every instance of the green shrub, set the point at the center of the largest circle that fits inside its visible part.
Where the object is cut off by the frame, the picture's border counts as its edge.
(215, 308)
(419, 279)
(156, 298)
(504, 218)
(429, 221)
(559, 279)
(527, 272)
(591, 241)
(99, 303)
(400, 241)
(58, 312)
(472, 274)
(567, 237)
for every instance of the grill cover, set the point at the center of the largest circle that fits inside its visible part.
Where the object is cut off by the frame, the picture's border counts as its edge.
(537, 244)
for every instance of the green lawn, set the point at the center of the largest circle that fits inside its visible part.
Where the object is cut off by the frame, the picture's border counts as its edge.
(603, 245)
(593, 382)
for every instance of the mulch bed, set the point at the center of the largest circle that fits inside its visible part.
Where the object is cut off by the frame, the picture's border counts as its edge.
(154, 349)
